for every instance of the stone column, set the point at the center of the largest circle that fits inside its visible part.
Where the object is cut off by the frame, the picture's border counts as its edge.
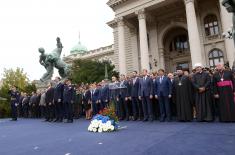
(227, 21)
(161, 58)
(144, 50)
(193, 32)
(134, 49)
(121, 46)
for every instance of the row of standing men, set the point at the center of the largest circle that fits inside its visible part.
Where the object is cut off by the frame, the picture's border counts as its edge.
(145, 97)
(55, 103)
(203, 93)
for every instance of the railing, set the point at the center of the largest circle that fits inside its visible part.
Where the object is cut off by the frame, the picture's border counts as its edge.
(99, 50)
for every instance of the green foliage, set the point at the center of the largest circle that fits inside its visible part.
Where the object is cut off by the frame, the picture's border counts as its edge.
(29, 88)
(4, 109)
(88, 71)
(17, 78)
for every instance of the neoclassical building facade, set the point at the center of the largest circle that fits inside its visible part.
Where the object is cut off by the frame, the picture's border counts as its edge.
(153, 34)
(79, 51)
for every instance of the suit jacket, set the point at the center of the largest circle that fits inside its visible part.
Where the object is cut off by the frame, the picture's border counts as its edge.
(135, 87)
(33, 100)
(49, 95)
(164, 87)
(43, 100)
(69, 94)
(86, 97)
(104, 93)
(15, 96)
(95, 95)
(123, 91)
(145, 87)
(58, 93)
(113, 90)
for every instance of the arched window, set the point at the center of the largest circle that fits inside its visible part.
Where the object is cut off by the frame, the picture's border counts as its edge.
(215, 56)
(211, 25)
(180, 43)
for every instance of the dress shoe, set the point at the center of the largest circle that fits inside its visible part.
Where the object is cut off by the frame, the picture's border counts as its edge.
(121, 119)
(69, 121)
(60, 120)
(151, 120)
(56, 120)
(134, 119)
(145, 120)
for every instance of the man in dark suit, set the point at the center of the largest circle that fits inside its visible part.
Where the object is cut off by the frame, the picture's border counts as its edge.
(146, 94)
(172, 103)
(136, 104)
(163, 91)
(33, 105)
(20, 107)
(58, 99)
(68, 100)
(15, 96)
(104, 95)
(95, 99)
(49, 102)
(114, 92)
(123, 98)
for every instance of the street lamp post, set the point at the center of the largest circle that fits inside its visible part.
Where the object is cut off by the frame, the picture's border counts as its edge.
(106, 72)
(105, 60)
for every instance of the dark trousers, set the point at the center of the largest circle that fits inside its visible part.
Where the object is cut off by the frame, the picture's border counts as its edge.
(147, 108)
(156, 109)
(42, 111)
(123, 107)
(25, 110)
(13, 110)
(136, 107)
(49, 112)
(69, 110)
(173, 108)
(94, 108)
(58, 110)
(164, 107)
(116, 106)
(76, 110)
(20, 110)
(38, 112)
(33, 111)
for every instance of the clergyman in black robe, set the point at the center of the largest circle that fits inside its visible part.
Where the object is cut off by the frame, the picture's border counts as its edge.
(224, 90)
(182, 92)
(201, 82)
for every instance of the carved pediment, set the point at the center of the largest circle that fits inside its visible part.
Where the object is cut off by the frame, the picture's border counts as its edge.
(113, 3)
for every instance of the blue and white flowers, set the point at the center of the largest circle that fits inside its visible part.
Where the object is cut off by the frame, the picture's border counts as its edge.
(102, 123)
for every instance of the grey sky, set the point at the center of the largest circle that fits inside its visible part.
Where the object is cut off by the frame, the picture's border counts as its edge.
(26, 25)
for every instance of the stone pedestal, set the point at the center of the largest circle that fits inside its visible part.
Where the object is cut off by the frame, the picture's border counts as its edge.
(42, 85)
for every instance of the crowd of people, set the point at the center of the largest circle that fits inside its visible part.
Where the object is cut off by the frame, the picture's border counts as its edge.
(203, 95)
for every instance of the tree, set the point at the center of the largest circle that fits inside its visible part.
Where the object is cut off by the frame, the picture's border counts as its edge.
(88, 71)
(15, 77)
(29, 88)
